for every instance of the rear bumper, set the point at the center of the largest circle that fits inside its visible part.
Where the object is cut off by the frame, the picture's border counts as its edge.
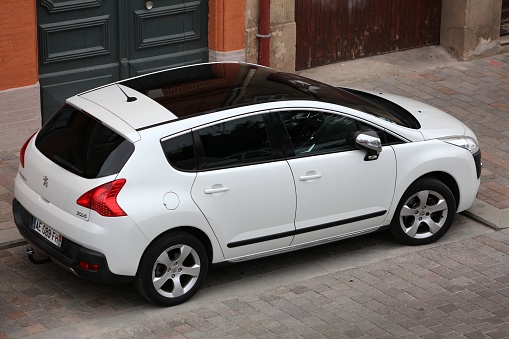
(69, 254)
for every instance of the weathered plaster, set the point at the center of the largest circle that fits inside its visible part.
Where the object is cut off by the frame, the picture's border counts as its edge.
(471, 28)
(283, 33)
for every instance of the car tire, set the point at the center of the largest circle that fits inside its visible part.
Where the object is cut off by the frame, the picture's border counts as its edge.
(425, 212)
(172, 269)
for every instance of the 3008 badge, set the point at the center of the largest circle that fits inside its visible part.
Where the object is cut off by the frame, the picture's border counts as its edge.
(81, 215)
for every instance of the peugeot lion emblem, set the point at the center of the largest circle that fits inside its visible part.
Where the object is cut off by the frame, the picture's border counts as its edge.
(45, 181)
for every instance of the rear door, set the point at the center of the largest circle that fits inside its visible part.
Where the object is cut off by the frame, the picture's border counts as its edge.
(244, 186)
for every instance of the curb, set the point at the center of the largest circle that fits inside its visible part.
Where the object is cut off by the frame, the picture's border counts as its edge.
(10, 238)
(488, 215)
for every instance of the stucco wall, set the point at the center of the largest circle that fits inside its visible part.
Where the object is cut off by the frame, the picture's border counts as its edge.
(283, 30)
(471, 28)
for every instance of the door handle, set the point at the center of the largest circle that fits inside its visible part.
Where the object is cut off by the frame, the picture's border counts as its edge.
(310, 177)
(216, 190)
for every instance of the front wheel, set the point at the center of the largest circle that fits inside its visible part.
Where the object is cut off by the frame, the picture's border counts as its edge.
(425, 213)
(172, 269)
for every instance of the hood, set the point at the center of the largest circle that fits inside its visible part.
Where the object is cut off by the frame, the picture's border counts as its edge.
(434, 122)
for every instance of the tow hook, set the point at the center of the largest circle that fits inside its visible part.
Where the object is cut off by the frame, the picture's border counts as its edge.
(30, 253)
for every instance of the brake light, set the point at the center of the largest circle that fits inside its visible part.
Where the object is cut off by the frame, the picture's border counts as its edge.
(103, 199)
(23, 150)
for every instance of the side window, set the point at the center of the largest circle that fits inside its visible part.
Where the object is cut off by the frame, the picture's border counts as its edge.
(313, 132)
(179, 152)
(235, 143)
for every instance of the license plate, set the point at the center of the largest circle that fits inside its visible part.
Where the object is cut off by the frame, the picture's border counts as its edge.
(47, 232)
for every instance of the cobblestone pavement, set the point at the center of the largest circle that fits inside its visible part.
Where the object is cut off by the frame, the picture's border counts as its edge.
(367, 287)
(9, 161)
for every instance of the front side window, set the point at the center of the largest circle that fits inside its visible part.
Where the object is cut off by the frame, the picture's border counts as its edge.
(235, 143)
(315, 132)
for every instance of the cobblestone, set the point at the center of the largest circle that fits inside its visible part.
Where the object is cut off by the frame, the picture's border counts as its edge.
(451, 290)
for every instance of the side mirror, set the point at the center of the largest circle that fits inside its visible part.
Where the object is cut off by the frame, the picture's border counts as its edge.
(370, 142)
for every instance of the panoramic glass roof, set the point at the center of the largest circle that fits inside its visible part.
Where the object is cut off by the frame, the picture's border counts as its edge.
(211, 87)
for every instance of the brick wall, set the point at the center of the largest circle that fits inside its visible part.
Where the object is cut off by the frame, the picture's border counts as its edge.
(226, 29)
(19, 89)
(18, 44)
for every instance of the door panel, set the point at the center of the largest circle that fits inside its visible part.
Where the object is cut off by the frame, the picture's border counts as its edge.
(245, 188)
(84, 44)
(338, 192)
(248, 203)
(172, 33)
(348, 188)
(77, 48)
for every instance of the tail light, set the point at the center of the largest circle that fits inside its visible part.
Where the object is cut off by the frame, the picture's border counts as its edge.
(23, 150)
(103, 199)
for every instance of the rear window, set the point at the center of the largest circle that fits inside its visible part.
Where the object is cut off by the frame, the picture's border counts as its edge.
(82, 145)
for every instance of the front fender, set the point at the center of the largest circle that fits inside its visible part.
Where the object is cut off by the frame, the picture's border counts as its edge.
(417, 159)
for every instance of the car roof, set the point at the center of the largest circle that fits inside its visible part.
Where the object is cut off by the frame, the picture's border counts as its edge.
(186, 91)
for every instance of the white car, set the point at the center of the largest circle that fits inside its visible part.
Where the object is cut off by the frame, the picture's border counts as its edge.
(155, 178)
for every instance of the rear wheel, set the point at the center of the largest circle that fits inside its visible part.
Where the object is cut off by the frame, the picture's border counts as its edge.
(172, 269)
(425, 213)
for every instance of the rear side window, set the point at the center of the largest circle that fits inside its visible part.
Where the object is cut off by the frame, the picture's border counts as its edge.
(179, 152)
(236, 142)
(82, 145)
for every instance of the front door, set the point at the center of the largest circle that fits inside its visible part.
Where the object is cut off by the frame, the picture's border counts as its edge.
(338, 190)
(89, 43)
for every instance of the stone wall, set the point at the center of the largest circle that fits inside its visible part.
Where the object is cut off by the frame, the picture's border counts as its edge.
(283, 30)
(20, 115)
(471, 28)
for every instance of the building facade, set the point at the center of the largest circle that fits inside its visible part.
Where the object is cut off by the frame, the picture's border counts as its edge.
(51, 49)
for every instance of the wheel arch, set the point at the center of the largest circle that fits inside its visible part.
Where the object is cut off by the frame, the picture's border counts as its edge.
(448, 180)
(196, 232)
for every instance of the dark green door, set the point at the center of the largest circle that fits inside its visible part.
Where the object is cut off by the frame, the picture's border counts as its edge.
(89, 43)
